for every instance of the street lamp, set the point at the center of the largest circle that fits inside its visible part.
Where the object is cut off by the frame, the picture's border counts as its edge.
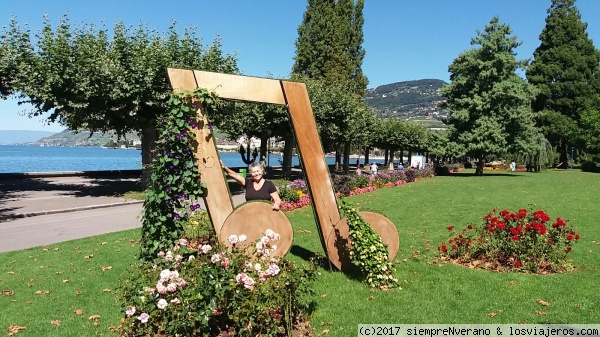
(572, 152)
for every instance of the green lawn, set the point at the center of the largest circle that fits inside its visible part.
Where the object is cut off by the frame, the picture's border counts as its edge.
(77, 275)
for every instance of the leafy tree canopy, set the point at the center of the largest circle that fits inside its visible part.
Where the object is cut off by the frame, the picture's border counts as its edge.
(563, 71)
(89, 79)
(86, 80)
(488, 103)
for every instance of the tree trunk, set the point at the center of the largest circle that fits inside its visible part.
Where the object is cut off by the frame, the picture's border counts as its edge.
(346, 157)
(385, 156)
(148, 137)
(563, 154)
(479, 168)
(401, 156)
(264, 141)
(247, 153)
(287, 153)
(366, 155)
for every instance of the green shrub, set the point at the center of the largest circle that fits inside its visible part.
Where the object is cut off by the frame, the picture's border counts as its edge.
(589, 166)
(287, 194)
(198, 225)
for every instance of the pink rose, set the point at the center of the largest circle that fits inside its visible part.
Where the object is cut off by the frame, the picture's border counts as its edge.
(239, 278)
(205, 248)
(143, 317)
(165, 274)
(273, 270)
(161, 289)
(162, 304)
(130, 311)
(249, 283)
(171, 287)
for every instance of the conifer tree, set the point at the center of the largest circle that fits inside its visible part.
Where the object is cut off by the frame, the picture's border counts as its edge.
(329, 44)
(329, 49)
(563, 71)
(489, 105)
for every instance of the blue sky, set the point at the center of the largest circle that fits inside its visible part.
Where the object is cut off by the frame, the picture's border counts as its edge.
(404, 39)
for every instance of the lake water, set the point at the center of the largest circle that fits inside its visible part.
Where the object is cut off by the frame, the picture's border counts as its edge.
(19, 159)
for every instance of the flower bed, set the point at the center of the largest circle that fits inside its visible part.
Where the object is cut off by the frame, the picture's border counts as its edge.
(208, 290)
(348, 185)
(520, 241)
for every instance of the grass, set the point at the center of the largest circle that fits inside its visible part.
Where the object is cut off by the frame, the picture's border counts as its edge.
(432, 291)
(57, 288)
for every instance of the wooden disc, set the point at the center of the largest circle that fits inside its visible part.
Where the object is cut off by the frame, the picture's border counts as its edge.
(339, 245)
(253, 219)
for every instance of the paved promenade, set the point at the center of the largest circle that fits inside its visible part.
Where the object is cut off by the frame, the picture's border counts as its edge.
(44, 209)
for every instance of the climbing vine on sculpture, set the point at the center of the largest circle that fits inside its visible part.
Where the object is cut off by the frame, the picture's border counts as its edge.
(368, 252)
(176, 185)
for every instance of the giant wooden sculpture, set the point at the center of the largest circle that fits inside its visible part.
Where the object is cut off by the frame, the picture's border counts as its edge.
(253, 218)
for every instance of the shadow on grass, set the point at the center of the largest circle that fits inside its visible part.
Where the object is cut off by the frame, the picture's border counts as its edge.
(488, 174)
(308, 256)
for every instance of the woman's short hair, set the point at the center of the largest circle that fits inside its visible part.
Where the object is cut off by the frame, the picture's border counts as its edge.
(257, 165)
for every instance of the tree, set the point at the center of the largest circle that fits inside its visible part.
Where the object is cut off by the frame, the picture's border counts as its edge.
(396, 134)
(329, 48)
(249, 119)
(590, 135)
(86, 81)
(489, 105)
(440, 147)
(563, 71)
(342, 119)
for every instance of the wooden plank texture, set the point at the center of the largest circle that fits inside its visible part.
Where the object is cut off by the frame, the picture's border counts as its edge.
(216, 194)
(253, 219)
(312, 156)
(243, 88)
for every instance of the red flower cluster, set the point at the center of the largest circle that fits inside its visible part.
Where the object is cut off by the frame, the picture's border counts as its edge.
(362, 190)
(515, 240)
(288, 206)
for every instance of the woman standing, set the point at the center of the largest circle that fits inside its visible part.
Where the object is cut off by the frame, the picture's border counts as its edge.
(257, 187)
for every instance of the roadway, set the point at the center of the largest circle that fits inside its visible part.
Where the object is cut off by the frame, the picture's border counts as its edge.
(42, 209)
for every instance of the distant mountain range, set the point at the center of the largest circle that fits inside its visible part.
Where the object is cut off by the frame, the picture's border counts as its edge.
(85, 138)
(9, 137)
(407, 99)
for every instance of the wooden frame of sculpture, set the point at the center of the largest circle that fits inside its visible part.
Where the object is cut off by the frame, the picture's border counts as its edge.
(333, 230)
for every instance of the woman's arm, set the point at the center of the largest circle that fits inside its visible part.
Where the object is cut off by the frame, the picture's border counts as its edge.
(276, 200)
(236, 176)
